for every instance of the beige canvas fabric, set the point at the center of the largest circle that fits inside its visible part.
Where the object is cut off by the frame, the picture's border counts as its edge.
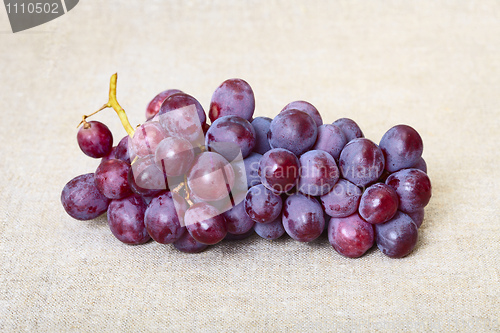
(431, 64)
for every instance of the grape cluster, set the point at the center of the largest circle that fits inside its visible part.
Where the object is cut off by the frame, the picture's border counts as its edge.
(177, 180)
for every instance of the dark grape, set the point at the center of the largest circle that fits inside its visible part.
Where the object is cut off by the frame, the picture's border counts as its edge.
(144, 192)
(181, 100)
(413, 187)
(279, 170)
(237, 220)
(417, 217)
(82, 200)
(293, 130)
(186, 243)
(307, 108)
(378, 203)
(330, 139)
(146, 138)
(161, 220)
(111, 179)
(318, 173)
(154, 106)
(174, 156)
(230, 134)
(303, 218)
(235, 237)
(183, 123)
(126, 220)
(270, 231)
(361, 162)
(350, 236)
(342, 200)
(205, 223)
(234, 97)
(252, 163)
(261, 126)
(350, 129)
(121, 150)
(262, 205)
(397, 237)
(421, 165)
(402, 147)
(147, 176)
(95, 139)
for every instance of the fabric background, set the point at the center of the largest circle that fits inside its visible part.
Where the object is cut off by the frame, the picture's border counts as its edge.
(433, 65)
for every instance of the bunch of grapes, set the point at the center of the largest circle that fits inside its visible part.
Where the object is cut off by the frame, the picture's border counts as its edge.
(180, 181)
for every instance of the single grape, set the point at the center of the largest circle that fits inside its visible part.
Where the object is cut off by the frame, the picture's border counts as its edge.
(143, 192)
(126, 220)
(402, 147)
(350, 128)
(342, 200)
(234, 97)
(397, 237)
(111, 179)
(417, 217)
(146, 138)
(110, 156)
(378, 203)
(147, 176)
(293, 130)
(421, 165)
(161, 220)
(330, 139)
(211, 177)
(121, 150)
(262, 205)
(361, 162)
(82, 200)
(237, 220)
(318, 173)
(350, 236)
(261, 126)
(279, 170)
(413, 187)
(174, 156)
(205, 223)
(183, 123)
(186, 243)
(181, 100)
(270, 231)
(95, 139)
(234, 130)
(307, 108)
(154, 106)
(303, 218)
(252, 163)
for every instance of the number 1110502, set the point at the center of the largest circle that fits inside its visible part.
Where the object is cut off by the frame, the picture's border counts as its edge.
(32, 8)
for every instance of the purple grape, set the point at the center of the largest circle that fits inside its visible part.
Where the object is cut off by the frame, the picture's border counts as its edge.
(330, 139)
(303, 218)
(111, 179)
(237, 220)
(350, 129)
(234, 97)
(270, 231)
(146, 138)
(126, 220)
(252, 163)
(121, 150)
(161, 220)
(205, 223)
(82, 200)
(350, 236)
(211, 177)
(181, 100)
(293, 130)
(421, 165)
(413, 187)
(154, 106)
(183, 123)
(402, 147)
(397, 237)
(188, 244)
(262, 205)
(279, 170)
(147, 176)
(174, 156)
(318, 173)
(143, 192)
(261, 126)
(378, 204)
(234, 237)
(307, 108)
(343, 199)
(361, 162)
(230, 134)
(417, 217)
(95, 139)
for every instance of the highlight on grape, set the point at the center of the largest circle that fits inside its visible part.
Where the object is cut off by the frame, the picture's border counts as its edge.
(179, 180)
